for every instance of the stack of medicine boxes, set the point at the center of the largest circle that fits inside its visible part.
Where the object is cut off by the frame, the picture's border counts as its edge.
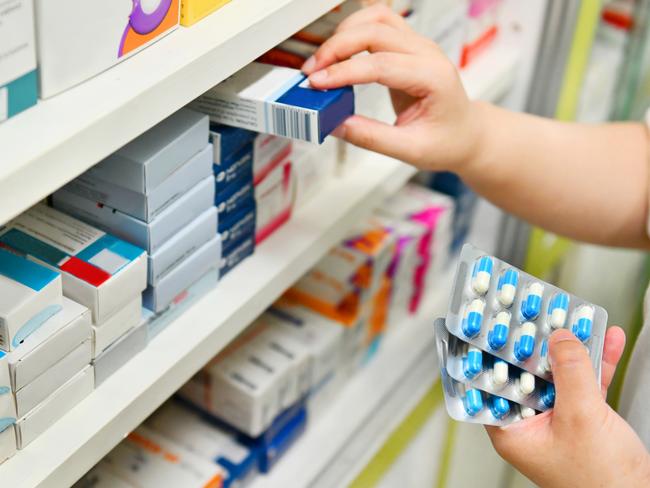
(157, 192)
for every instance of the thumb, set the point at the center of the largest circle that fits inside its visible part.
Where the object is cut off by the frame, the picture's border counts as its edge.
(573, 375)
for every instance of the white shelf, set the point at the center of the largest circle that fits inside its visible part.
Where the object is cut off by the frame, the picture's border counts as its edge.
(75, 443)
(50, 144)
(338, 444)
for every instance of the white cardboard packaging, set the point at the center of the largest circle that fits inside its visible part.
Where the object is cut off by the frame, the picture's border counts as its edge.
(150, 236)
(268, 152)
(29, 295)
(182, 245)
(98, 270)
(101, 33)
(116, 326)
(145, 206)
(7, 443)
(313, 167)
(147, 459)
(274, 196)
(101, 476)
(52, 341)
(118, 353)
(54, 407)
(7, 406)
(30, 395)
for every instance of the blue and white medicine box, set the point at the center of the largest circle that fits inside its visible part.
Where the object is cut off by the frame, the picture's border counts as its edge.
(238, 172)
(227, 141)
(7, 405)
(237, 198)
(236, 254)
(276, 100)
(18, 78)
(29, 295)
(236, 228)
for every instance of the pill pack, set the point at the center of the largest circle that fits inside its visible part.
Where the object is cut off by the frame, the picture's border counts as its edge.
(504, 311)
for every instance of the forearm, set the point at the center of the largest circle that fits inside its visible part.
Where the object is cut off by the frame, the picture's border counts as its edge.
(588, 182)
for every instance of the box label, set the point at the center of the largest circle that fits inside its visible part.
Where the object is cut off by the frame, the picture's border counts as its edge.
(17, 52)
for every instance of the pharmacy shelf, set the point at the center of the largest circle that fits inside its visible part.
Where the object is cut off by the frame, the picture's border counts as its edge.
(52, 143)
(74, 444)
(493, 73)
(338, 443)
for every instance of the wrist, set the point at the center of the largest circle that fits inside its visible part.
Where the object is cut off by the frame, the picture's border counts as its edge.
(478, 141)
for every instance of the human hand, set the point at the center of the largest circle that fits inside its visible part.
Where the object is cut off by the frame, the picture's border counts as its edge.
(437, 127)
(581, 441)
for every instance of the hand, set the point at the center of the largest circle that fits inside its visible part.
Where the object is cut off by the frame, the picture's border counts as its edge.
(437, 127)
(581, 441)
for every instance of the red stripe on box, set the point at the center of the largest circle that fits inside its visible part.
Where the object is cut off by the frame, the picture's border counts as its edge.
(85, 271)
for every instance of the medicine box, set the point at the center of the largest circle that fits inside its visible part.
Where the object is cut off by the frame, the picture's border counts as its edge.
(239, 171)
(227, 141)
(7, 404)
(312, 168)
(101, 33)
(268, 152)
(119, 353)
(149, 236)
(276, 100)
(29, 295)
(236, 228)
(145, 206)
(236, 198)
(101, 476)
(54, 407)
(236, 254)
(146, 458)
(162, 295)
(271, 449)
(57, 337)
(99, 270)
(116, 326)
(274, 196)
(7, 442)
(18, 79)
(182, 245)
(194, 10)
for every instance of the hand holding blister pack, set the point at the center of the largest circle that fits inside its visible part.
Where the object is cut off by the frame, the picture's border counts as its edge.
(494, 340)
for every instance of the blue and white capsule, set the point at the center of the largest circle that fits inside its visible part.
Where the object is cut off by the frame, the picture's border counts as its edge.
(499, 373)
(507, 287)
(473, 320)
(525, 345)
(558, 308)
(482, 274)
(531, 305)
(498, 334)
(500, 407)
(548, 395)
(526, 383)
(583, 323)
(473, 402)
(473, 362)
(545, 364)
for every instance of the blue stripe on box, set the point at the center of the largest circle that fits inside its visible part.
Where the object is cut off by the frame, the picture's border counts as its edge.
(118, 246)
(26, 244)
(23, 93)
(6, 422)
(25, 271)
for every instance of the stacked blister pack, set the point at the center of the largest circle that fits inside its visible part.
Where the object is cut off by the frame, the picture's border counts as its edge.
(157, 192)
(493, 344)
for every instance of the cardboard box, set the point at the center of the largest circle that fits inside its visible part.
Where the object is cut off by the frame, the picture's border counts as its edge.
(119, 353)
(7, 405)
(7, 442)
(274, 196)
(313, 168)
(237, 253)
(99, 270)
(236, 228)
(145, 206)
(236, 198)
(268, 153)
(29, 295)
(182, 245)
(146, 458)
(227, 141)
(126, 318)
(54, 407)
(18, 82)
(276, 100)
(101, 476)
(237, 172)
(272, 448)
(194, 10)
(57, 337)
(101, 33)
(207, 257)
(150, 236)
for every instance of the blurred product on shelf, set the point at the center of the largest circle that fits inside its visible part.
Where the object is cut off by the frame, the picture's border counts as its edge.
(18, 78)
(7, 411)
(313, 168)
(115, 327)
(194, 10)
(444, 22)
(101, 34)
(481, 29)
(297, 111)
(274, 194)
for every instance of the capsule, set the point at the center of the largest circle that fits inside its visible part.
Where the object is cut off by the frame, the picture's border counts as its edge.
(531, 306)
(473, 362)
(499, 373)
(500, 407)
(557, 310)
(527, 412)
(498, 335)
(525, 345)
(473, 402)
(543, 354)
(473, 318)
(548, 395)
(507, 287)
(482, 274)
(583, 323)
(526, 383)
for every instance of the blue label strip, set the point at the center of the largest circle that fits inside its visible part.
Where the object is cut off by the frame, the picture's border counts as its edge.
(24, 271)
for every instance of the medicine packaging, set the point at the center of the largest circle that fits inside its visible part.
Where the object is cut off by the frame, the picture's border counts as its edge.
(100, 33)
(294, 109)
(235, 199)
(7, 404)
(236, 254)
(101, 476)
(237, 227)
(18, 79)
(119, 352)
(268, 152)
(313, 168)
(274, 196)
(98, 270)
(227, 142)
(29, 295)
(7, 440)
(116, 326)
(194, 10)
(511, 314)
(238, 171)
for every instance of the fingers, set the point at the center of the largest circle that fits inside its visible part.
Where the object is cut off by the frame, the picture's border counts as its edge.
(612, 352)
(375, 14)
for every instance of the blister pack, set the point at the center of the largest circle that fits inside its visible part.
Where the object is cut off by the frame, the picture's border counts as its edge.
(481, 370)
(511, 314)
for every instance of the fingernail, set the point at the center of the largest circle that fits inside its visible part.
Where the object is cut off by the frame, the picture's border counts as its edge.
(309, 65)
(318, 77)
(340, 131)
